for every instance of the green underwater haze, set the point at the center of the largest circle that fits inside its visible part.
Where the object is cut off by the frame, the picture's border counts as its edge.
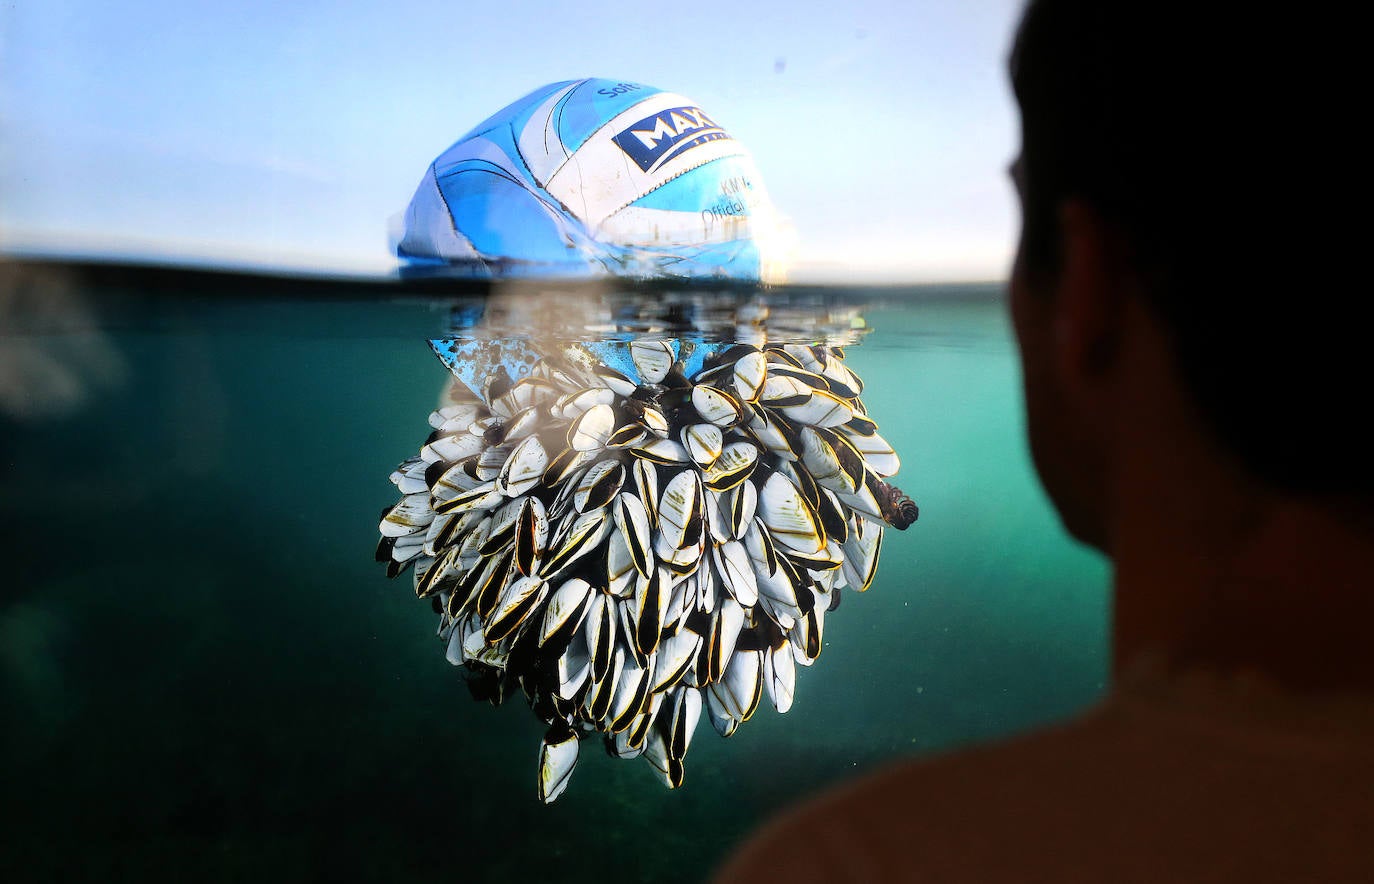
(204, 673)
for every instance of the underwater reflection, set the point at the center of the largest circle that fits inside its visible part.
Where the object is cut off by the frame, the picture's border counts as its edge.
(638, 505)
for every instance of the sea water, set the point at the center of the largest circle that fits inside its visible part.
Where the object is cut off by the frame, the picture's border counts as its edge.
(204, 674)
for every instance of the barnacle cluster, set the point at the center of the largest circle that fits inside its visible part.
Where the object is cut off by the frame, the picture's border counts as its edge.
(633, 532)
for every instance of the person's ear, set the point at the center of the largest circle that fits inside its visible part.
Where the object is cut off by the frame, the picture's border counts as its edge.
(1089, 304)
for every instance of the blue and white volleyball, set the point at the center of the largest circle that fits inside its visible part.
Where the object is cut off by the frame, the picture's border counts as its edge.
(596, 177)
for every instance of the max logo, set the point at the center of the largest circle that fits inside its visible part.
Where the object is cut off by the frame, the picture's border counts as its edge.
(654, 140)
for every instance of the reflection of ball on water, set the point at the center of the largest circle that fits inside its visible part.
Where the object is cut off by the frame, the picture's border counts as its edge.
(593, 177)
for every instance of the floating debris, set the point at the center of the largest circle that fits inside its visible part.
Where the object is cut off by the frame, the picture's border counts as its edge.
(634, 534)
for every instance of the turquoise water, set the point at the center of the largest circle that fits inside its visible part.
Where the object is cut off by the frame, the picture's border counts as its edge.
(204, 673)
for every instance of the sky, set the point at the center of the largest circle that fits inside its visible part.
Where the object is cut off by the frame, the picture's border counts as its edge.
(291, 135)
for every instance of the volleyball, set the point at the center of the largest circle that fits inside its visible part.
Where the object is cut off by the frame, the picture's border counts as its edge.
(596, 177)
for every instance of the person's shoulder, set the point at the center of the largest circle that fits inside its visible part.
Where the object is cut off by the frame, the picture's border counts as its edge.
(1156, 784)
(933, 819)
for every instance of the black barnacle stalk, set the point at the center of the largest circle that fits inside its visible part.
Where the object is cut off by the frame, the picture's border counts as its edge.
(634, 534)
(897, 509)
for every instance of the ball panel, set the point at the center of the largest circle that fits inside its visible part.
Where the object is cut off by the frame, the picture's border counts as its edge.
(557, 123)
(492, 148)
(723, 190)
(497, 215)
(430, 234)
(539, 146)
(642, 148)
(591, 104)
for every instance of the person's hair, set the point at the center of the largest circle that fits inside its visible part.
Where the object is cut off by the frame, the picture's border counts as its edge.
(1194, 133)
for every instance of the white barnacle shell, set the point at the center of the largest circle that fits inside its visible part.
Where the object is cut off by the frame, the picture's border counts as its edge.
(653, 359)
(592, 428)
(557, 758)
